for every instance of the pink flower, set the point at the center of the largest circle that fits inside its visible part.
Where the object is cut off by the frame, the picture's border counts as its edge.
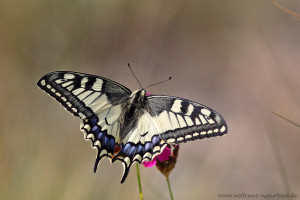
(161, 157)
(148, 94)
(166, 166)
(150, 163)
(165, 154)
(165, 162)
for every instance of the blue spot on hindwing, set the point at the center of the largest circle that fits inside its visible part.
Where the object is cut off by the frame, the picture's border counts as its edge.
(148, 147)
(126, 148)
(104, 142)
(96, 129)
(100, 135)
(140, 149)
(132, 151)
(111, 145)
(155, 140)
(93, 121)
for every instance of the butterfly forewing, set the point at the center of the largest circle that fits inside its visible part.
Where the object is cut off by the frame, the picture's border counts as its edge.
(84, 95)
(180, 120)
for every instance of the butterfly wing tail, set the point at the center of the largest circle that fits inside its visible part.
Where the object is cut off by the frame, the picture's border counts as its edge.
(125, 173)
(96, 163)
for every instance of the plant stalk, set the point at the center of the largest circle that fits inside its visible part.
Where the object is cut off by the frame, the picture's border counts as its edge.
(139, 182)
(170, 191)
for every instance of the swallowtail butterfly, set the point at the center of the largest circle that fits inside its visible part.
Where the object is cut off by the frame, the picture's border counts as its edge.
(130, 126)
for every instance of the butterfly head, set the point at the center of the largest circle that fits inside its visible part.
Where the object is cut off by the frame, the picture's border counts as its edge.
(138, 96)
(142, 92)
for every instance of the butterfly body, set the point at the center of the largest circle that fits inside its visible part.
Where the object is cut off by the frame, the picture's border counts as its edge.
(135, 107)
(130, 126)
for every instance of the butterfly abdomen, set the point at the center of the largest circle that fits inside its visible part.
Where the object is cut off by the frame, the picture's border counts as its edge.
(132, 110)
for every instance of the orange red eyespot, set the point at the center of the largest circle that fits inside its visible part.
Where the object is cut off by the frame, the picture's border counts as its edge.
(117, 149)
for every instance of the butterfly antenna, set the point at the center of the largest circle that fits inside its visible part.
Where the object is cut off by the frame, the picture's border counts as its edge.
(159, 82)
(134, 75)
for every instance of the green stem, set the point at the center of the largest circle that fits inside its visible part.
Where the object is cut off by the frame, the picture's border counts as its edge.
(139, 181)
(286, 119)
(170, 191)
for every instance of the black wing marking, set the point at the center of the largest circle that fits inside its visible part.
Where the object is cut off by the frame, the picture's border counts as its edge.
(181, 120)
(84, 95)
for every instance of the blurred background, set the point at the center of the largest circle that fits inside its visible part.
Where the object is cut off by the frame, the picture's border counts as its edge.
(240, 58)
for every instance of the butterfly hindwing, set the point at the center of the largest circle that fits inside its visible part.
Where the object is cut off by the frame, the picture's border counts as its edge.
(141, 143)
(181, 120)
(136, 147)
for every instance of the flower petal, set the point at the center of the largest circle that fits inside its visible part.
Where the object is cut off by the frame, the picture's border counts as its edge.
(164, 155)
(149, 163)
